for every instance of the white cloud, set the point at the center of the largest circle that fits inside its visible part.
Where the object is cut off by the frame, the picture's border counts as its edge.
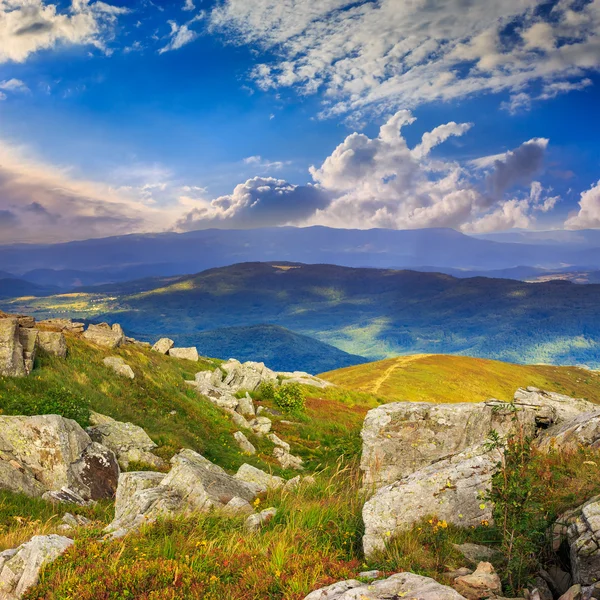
(391, 54)
(28, 26)
(181, 35)
(264, 164)
(3, 96)
(13, 85)
(189, 5)
(589, 210)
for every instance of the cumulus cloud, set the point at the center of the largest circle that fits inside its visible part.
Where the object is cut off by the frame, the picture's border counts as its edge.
(589, 210)
(390, 54)
(382, 182)
(189, 5)
(29, 26)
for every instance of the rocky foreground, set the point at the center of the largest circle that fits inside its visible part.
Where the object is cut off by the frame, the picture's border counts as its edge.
(418, 460)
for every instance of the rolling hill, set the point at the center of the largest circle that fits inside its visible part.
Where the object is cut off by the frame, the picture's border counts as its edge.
(375, 313)
(443, 378)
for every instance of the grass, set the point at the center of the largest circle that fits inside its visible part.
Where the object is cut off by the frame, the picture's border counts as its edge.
(445, 378)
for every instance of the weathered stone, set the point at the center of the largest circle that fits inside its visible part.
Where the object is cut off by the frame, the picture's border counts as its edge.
(583, 430)
(61, 325)
(247, 376)
(287, 460)
(303, 378)
(452, 489)
(558, 580)
(185, 353)
(258, 480)
(401, 585)
(551, 408)
(119, 366)
(483, 583)
(105, 335)
(53, 342)
(237, 507)
(584, 542)
(261, 425)
(244, 443)
(74, 521)
(573, 593)
(256, 521)
(28, 338)
(57, 453)
(371, 575)
(16, 478)
(278, 442)
(65, 496)
(20, 568)
(163, 345)
(11, 349)
(129, 442)
(246, 406)
(239, 420)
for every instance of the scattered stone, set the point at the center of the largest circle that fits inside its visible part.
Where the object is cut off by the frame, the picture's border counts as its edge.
(278, 442)
(246, 406)
(163, 345)
(70, 522)
(119, 366)
(292, 484)
(244, 443)
(185, 353)
(452, 489)
(105, 335)
(258, 480)
(287, 460)
(129, 442)
(238, 507)
(238, 420)
(261, 425)
(303, 379)
(483, 583)
(20, 568)
(256, 521)
(401, 585)
(370, 574)
(65, 496)
(53, 342)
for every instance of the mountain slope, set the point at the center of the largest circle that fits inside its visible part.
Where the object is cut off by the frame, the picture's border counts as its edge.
(376, 313)
(279, 348)
(12, 287)
(443, 378)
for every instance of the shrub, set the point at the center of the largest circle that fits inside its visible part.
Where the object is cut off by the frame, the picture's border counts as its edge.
(289, 397)
(266, 391)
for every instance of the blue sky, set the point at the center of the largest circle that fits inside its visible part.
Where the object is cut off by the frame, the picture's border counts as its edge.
(120, 117)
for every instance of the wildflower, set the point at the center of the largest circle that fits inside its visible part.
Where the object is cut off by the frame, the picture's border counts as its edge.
(278, 573)
(485, 523)
(213, 579)
(482, 506)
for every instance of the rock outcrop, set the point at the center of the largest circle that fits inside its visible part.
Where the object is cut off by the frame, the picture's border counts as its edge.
(129, 442)
(401, 585)
(583, 536)
(53, 342)
(119, 366)
(583, 430)
(17, 348)
(20, 568)
(163, 345)
(64, 325)
(45, 453)
(106, 336)
(452, 489)
(185, 353)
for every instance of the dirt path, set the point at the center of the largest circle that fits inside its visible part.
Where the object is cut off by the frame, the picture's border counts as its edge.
(399, 362)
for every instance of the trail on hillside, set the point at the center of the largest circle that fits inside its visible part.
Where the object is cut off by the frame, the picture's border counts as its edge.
(401, 361)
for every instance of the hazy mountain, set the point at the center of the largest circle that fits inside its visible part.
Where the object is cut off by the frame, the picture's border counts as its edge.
(11, 287)
(167, 254)
(583, 238)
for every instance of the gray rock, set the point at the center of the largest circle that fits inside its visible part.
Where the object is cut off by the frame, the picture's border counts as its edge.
(65, 496)
(261, 425)
(247, 376)
(374, 574)
(573, 593)
(583, 430)
(59, 324)
(29, 339)
(163, 345)
(401, 585)
(56, 453)
(237, 507)
(483, 583)
(53, 342)
(584, 543)
(451, 489)
(119, 366)
(244, 443)
(287, 460)
(129, 442)
(256, 521)
(185, 353)
(12, 363)
(258, 480)
(246, 406)
(278, 442)
(239, 420)
(106, 336)
(20, 568)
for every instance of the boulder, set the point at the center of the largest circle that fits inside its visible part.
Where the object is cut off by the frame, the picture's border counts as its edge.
(29, 339)
(247, 376)
(105, 335)
(573, 593)
(20, 568)
(584, 543)
(244, 443)
(401, 585)
(451, 489)
(551, 408)
(237, 507)
(287, 460)
(261, 425)
(246, 406)
(12, 363)
(61, 325)
(185, 353)
(303, 378)
(278, 442)
(583, 430)
(239, 420)
(53, 342)
(65, 496)
(119, 366)
(258, 480)
(256, 521)
(163, 345)
(129, 442)
(54, 452)
(483, 583)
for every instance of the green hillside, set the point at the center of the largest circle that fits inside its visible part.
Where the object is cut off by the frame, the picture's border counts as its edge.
(367, 312)
(444, 378)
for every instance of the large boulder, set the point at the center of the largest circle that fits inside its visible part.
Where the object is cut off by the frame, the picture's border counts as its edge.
(583, 430)
(119, 366)
(59, 324)
(258, 480)
(17, 348)
(54, 452)
(129, 442)
(583, 536)
(163, 345)
(452, 489)
(185, 353)
(53, 342)
(105, 335)
(401, 585)
(246, 376)
(20, 568)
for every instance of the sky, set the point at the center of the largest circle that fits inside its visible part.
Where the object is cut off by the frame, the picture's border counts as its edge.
(153, 115)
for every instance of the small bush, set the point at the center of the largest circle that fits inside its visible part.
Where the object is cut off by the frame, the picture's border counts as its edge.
(289, 397)
(266, 391)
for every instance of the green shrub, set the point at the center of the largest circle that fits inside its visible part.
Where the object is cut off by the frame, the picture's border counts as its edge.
(266, 391)
(289, 397)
